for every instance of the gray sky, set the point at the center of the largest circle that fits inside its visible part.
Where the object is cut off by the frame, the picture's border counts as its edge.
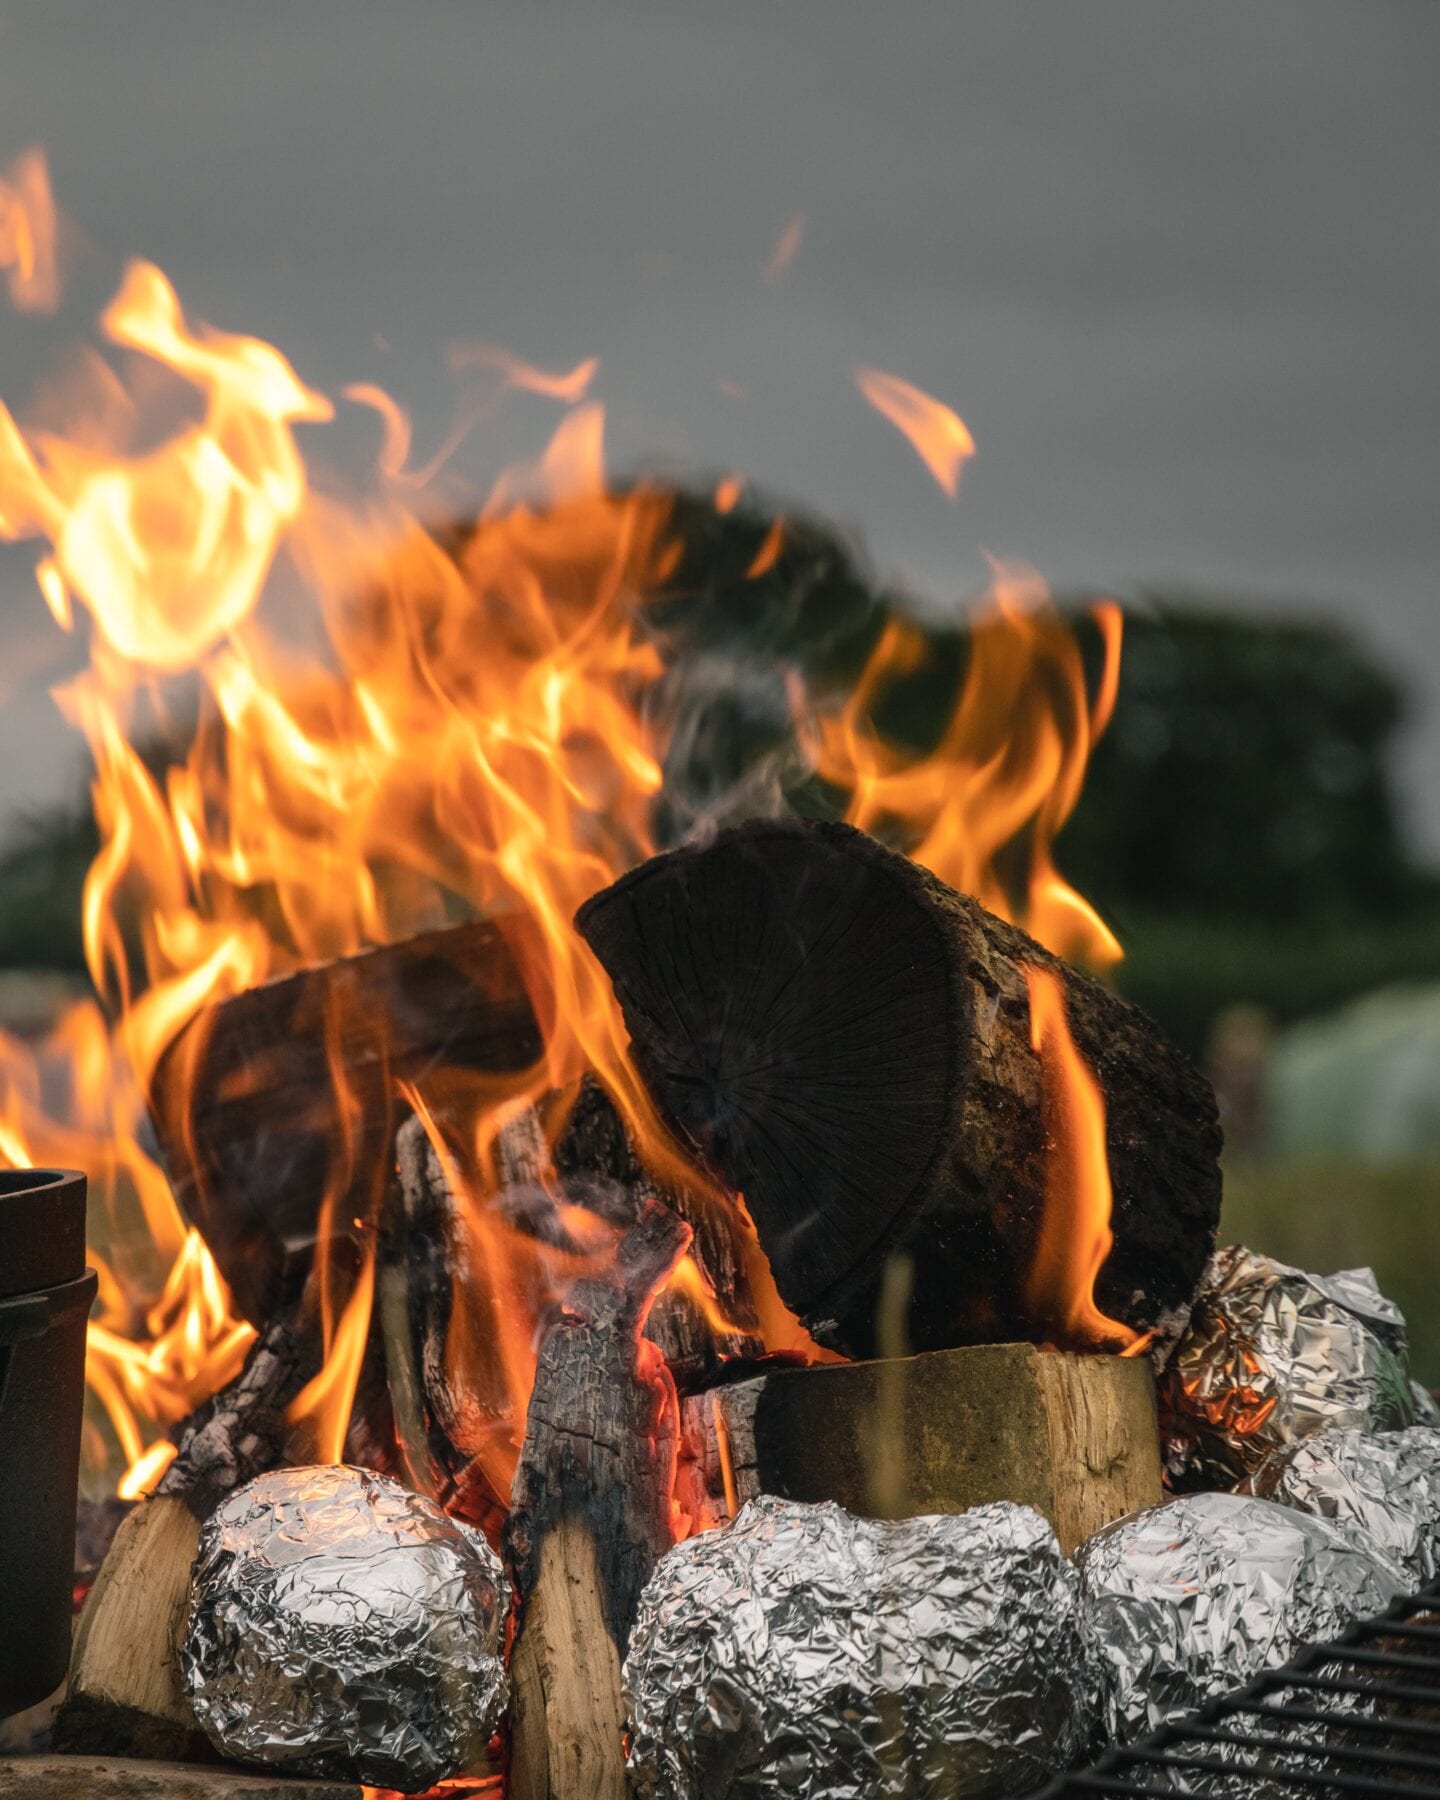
(1176, 264)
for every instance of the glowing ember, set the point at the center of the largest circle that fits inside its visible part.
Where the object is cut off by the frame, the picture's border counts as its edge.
(377, 728)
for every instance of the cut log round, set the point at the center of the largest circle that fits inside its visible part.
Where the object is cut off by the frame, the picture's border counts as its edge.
(845, 1041)
(1073, 1436)
(253, 1124)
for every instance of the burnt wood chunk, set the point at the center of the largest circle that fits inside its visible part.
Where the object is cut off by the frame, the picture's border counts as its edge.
(1073, 1436)
(267, 1099)
(598, 1166)
(590, 1516)
(845, 1040)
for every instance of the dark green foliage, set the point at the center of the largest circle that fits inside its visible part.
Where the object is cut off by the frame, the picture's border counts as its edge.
(42, 873)
(1246, 775)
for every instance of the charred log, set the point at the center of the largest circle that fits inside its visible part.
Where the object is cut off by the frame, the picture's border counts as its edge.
(589, 1518)
(598, 1166)
(846, 1041)
(268, 1095)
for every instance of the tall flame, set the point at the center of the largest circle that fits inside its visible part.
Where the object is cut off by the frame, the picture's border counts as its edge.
(1075, 1234)
(368, 728)
(1007, 772)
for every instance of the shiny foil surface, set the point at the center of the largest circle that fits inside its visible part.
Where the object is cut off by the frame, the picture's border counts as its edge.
(803, 1651)
(1272, 1355)
(343, 1626)
(1381, 1488)
(1190, 1600)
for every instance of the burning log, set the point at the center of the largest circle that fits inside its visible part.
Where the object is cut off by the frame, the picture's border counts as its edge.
(456, 1438)
(848, 1042)
(589, 1519)
(594, 1156)
(126, 1696)
(268, 1096)
(1073, 1436)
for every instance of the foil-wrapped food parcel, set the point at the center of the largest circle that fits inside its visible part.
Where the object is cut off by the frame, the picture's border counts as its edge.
(343, 1626)
(1187, 1601)
(1272, 1355)
(1381, 1488)
(804, 1651)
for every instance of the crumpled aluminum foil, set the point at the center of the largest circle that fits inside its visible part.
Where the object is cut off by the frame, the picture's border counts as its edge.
(805, 1651)
(343, 1626)
(1380, 1488)
(1271, 1355)
(1190, 1600)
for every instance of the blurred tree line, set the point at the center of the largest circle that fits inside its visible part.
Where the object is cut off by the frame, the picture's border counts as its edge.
(1238, 828)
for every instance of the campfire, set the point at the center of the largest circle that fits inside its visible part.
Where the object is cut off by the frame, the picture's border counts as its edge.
(493, 1147)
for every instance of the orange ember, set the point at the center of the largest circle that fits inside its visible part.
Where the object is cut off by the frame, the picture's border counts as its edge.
(369, 727)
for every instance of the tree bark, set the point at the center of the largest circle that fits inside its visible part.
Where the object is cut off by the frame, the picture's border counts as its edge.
(590, 1516)
(845, 1041)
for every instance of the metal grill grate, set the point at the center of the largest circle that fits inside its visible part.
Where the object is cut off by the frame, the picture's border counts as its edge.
(1359, 1716)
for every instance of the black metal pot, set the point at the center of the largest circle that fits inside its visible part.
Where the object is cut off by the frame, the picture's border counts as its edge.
(45, 1296)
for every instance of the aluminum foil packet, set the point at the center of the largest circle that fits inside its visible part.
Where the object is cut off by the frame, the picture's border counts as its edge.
(1272, 1355)
(1190, 1600)
(343, 1626)
(801, 1650)
(1381, 1488)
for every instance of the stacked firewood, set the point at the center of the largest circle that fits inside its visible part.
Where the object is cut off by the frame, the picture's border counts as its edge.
(827, 1031)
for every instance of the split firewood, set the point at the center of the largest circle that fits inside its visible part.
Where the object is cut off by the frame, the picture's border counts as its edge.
(125, 1695)
(269, 1095)
(590, 1516)
(1073, 1436)
(846, 1041)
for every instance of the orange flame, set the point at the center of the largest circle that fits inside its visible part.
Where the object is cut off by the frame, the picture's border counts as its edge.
(938, 435)
(322, 1407)
(28, 230)
(1009, 767)
(375, 728)
(786, 246)
(1075, 1235)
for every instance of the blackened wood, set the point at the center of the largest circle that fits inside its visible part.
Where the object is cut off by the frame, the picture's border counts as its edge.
(468, 1435)
(255, 1126)
(242, 1431)
(599, 1167)
(590, 1516)
(846, 1041)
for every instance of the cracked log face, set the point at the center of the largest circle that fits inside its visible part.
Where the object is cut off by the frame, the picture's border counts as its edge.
(846, 1041)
